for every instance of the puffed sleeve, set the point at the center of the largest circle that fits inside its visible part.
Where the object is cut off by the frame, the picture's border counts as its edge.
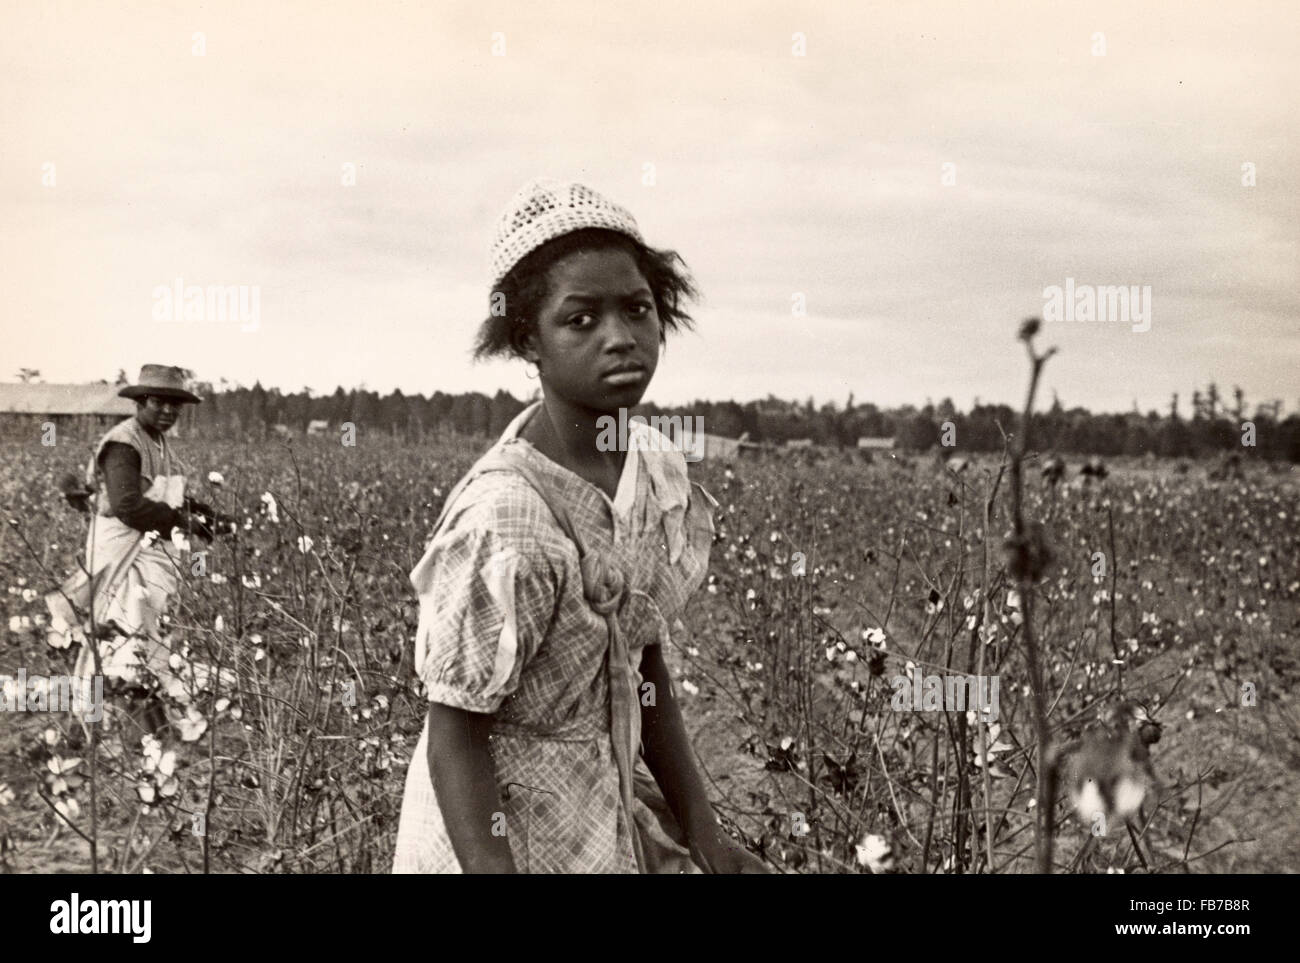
(485, 604)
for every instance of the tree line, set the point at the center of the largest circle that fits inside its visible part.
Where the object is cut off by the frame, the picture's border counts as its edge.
(1211, 427)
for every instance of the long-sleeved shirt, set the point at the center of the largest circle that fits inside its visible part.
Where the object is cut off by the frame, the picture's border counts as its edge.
(121, 465)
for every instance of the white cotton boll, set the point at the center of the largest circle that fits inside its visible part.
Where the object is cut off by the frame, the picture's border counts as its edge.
(192, 726)
(690, 687)
(875, 853)
(1128, 796)
(1088, 802)
(69, 807)
(215, 478)
(304, 543)
(269, 506)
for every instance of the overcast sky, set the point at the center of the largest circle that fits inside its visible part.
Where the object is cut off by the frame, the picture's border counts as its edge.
(773, 175)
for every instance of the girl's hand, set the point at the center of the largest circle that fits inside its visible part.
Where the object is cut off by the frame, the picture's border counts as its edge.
(719, 853)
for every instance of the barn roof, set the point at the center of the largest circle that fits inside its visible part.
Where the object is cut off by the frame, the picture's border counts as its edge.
(717, 446)
(43, 399)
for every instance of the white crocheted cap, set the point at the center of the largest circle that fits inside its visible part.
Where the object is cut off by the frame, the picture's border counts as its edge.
(544, 209)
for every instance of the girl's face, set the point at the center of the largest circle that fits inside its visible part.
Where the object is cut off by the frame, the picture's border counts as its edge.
(598, 334)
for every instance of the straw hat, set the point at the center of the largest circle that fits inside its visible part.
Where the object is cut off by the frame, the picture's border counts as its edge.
(545, 208)
(161, 380)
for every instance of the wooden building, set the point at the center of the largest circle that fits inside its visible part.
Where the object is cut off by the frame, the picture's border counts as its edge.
(75, 410)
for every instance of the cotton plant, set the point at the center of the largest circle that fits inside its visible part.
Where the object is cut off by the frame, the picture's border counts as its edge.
(157, 778)
(995, 742)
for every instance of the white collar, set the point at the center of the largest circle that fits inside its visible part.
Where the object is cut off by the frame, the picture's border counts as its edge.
(665, 467)
(624, 495)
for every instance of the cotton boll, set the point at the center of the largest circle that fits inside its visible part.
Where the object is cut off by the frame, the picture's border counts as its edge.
(875, 853)
(1088, 801)
(1129, 794)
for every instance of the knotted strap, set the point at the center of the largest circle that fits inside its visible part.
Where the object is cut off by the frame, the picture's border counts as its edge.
(606, 592)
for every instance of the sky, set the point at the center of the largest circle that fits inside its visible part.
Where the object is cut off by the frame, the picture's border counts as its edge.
(871, 196)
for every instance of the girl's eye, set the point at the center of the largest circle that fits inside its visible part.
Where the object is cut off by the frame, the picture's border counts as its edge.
(582, 320)
(641, 309)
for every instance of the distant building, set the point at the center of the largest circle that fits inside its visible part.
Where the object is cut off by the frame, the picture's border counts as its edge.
(713, 446)
(799, 443)
(317, 427)
(75, 409)
(719, 446)
(876, 444)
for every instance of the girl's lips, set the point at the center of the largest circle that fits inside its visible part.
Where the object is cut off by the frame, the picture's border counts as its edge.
(625, 377)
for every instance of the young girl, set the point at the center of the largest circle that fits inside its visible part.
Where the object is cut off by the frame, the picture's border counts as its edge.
(557, 574)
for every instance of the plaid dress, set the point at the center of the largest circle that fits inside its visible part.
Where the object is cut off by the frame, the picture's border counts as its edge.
(505, 629)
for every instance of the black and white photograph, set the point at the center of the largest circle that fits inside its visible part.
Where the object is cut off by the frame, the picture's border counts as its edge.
(651, 438)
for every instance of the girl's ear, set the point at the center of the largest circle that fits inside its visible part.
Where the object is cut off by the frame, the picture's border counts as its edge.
(527, 344)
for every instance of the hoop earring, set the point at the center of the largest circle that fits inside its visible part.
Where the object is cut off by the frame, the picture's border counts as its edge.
(532, 374)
